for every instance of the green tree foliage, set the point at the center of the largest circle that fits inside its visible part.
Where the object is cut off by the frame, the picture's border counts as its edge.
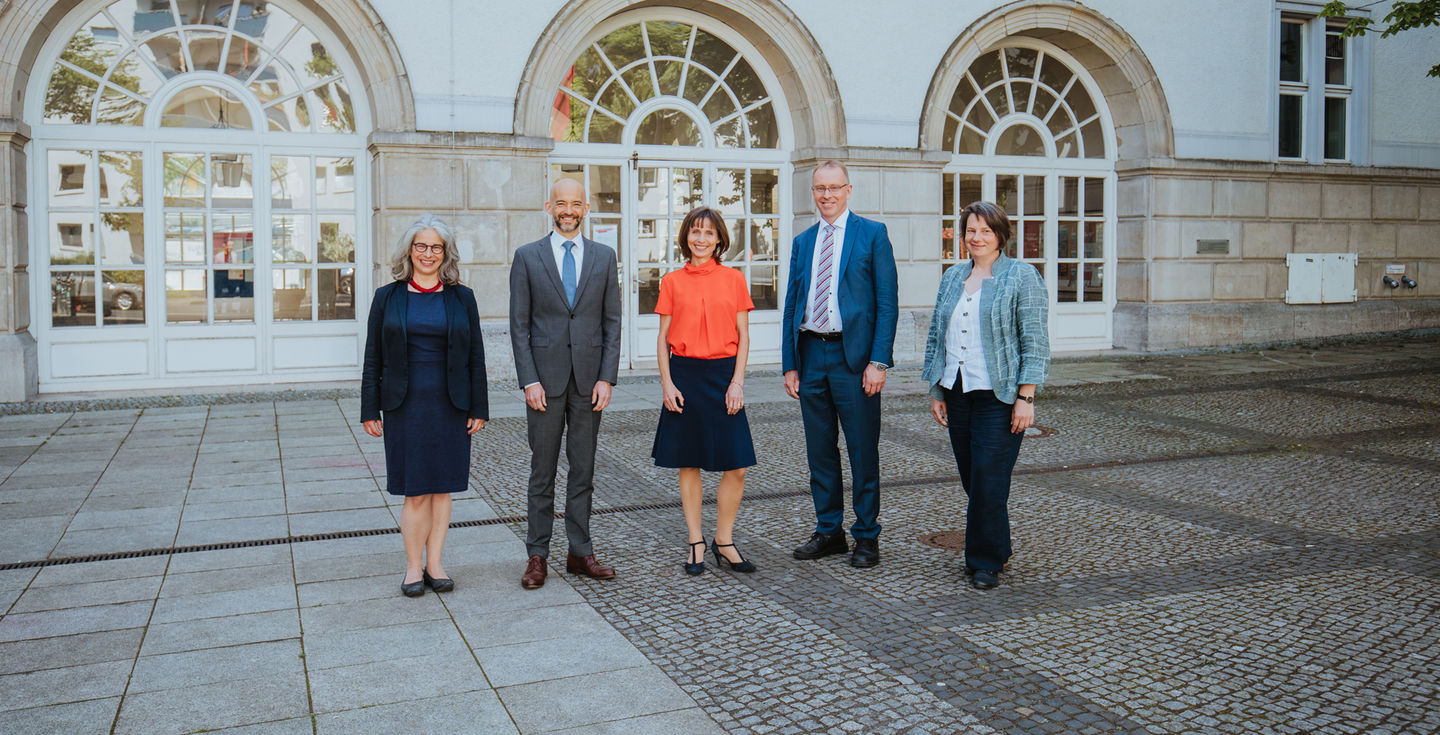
(70, 93)
(1404, 15)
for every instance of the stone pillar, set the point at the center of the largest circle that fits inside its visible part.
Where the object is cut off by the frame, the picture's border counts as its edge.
(490, 188)
(18, 368)
(900, 188)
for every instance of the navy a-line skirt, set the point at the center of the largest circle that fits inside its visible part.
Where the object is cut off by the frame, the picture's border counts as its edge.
(426, 447)
(703, 435)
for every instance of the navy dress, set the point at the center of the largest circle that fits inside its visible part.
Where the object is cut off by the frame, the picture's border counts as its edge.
(426, 447)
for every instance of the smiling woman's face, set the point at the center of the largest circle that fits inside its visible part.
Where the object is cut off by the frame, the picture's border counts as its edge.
(427, 252)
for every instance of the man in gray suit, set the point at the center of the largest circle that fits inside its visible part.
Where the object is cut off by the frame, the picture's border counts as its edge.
(565, 329)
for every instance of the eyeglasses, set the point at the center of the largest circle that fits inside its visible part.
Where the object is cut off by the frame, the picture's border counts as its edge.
(822, 190)
(421, 248)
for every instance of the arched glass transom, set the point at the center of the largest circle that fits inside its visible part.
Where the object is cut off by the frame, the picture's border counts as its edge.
(1029, 88)
(691, 88)
(112, 70)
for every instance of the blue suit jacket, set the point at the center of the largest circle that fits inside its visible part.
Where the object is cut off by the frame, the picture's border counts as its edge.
(867, 294)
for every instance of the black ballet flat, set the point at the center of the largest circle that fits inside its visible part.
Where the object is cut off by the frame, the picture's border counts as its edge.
(694, 568)
(444, 584)
(720, 561)
(413, 589)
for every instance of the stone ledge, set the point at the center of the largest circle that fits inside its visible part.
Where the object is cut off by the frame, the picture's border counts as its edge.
(1154, 327)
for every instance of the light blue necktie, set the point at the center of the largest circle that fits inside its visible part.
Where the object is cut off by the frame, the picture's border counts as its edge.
(567, 273)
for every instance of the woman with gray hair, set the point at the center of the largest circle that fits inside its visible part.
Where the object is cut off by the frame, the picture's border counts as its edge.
(425, 372)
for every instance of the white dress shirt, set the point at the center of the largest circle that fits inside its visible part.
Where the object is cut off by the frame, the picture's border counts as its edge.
(557, 246)
(964, 353)
(832, 304)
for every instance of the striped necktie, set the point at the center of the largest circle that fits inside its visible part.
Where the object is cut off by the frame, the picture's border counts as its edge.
(820, 315)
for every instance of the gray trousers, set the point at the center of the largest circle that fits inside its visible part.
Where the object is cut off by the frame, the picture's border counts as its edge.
(570, 416)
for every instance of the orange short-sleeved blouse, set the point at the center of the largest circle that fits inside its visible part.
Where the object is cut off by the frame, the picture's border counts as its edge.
(702, 303)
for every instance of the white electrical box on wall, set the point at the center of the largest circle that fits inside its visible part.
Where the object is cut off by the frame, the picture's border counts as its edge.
(1321, 278)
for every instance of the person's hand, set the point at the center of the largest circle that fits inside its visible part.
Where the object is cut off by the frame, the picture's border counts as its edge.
(734, 398)
(374, 427)
(792, 383)
(1022, 416)
(671, 397)
(873, 380)
(600, 396)
(535, 397)
(939, 412)
(474, 425)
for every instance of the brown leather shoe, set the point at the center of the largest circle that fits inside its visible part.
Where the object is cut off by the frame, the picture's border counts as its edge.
(588, 566)
(535, 571)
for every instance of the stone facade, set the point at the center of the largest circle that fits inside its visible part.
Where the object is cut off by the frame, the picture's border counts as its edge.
(490, 188)
(1200, 241)
(18, 375)
(1175, 294)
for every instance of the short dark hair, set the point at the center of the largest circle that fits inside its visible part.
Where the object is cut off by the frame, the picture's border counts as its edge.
(692, 219)
(993, 215)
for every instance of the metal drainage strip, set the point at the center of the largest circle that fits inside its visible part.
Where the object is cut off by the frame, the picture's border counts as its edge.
(335, 535)
(779, 494)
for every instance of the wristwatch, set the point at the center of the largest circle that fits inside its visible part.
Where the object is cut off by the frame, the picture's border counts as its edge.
(882, 367)
(1028, 399)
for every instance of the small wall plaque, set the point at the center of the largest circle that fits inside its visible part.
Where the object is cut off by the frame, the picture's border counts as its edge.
(1395, 269)
(1212, 247)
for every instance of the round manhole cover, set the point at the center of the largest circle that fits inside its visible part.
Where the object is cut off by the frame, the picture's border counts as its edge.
(1036, 431)
(947, 540)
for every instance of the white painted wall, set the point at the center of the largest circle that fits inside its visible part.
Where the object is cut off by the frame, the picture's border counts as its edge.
(1405, 128)
(465, 61)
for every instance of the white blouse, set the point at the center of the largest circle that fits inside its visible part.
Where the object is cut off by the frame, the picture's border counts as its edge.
(964, 354)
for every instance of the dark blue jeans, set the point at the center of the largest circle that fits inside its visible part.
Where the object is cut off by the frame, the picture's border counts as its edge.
(985, 453)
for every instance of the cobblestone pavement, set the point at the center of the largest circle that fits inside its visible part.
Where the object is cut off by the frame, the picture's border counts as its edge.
(1215, 551)
(1217, 542)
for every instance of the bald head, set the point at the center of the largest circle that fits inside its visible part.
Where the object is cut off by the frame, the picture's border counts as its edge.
(568, 188)
(567, 206)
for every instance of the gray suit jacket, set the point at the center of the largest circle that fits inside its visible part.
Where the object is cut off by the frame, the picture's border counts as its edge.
(552, 341)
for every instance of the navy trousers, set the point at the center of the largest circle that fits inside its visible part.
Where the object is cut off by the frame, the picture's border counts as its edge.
(833, 398)
(985, 453)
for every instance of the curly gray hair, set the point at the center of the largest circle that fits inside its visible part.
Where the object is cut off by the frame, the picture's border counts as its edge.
(400, 265)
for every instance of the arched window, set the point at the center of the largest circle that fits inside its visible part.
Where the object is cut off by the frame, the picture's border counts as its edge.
(1029, 88)
(160, 130)
(659, 115)
(1027, 128)
(703, 92)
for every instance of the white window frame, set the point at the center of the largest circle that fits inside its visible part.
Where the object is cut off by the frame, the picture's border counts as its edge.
(1314, 90)
(156, 335)
(1074, 325)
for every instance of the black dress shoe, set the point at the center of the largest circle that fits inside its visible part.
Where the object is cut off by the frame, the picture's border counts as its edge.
(867, 553)
(444, 584)
(821, 545)
(985, 579)
(413, 589)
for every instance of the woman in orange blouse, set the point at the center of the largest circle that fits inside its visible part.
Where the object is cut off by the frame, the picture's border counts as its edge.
(704, 313)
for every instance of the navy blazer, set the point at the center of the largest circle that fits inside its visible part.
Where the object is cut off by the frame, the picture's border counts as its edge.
(867, 294)
(386, 372)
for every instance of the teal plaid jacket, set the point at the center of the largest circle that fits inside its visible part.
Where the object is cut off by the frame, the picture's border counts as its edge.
(1013, 315)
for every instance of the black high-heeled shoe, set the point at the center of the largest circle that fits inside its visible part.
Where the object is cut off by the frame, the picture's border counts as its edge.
(743, 565)
(694, 568)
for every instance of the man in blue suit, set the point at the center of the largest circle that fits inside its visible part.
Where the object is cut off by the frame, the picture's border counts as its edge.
(838, 340)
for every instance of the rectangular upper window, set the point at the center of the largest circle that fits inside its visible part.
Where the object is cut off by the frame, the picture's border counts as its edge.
(1315, 74)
